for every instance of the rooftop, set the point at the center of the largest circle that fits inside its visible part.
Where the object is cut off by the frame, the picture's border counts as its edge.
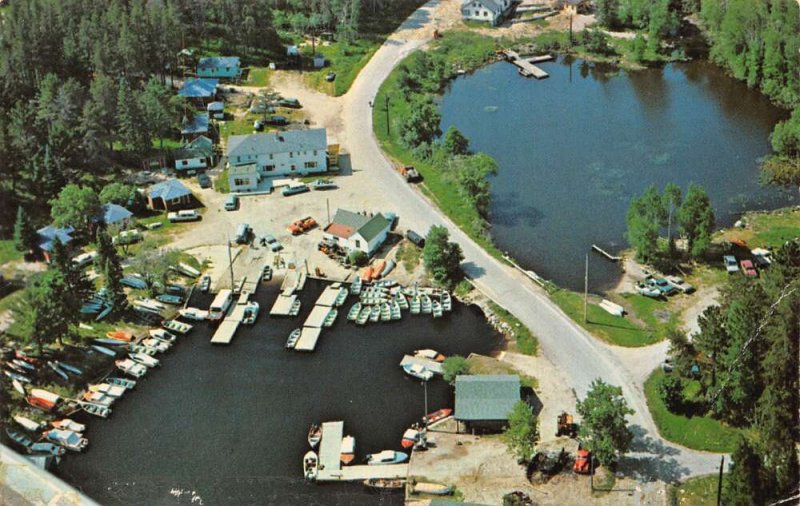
(241, 170)
(113, 213)
(196, 125)
(486, 397)
(218, 62)
(278, 142)
(49, 234)
(345, 223)
(168, 190)
(198, 88)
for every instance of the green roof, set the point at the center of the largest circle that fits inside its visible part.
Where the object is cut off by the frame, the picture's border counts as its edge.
(486, 397)
(368, 226)
(373, 227)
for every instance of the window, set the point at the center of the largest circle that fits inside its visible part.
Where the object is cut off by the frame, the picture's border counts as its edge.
(270, 156)
(294, 167)
(241, 182)
(185, 163)
(269, 168)
(311, 165)
(358, 243)
(291, 155)
(315, 152)
(238, 159)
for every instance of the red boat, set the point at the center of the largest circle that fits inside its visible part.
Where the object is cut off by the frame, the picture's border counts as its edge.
(120, 335)
(437, 415)
(43, 399)
(410, 437)
(22, 356)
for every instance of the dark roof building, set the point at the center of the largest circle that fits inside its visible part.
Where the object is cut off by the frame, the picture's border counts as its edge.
(169, 195)
(486, 399)
(115, 214)
(195, 126)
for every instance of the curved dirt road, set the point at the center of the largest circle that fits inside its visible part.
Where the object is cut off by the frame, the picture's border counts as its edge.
(579, 357)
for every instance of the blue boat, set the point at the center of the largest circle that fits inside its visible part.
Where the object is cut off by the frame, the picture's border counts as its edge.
(109, 342)
(104, 350)
(105, 312)
(19, 438)
(70, 368)
(169, 299)
(132, 282)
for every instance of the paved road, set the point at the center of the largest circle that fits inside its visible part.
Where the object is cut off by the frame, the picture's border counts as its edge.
(580, 357)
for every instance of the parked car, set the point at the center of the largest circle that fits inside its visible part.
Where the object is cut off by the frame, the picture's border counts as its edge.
(291, 103)
(749, 269)
(680, 284)
(662, 285)
(243, 233)
(185, 215)
(294, 189)
(268, 240)
(231, 203)
(277, 120)
(203, 180)
(730, 264)
(415, 238)
(127, 237)
(257, 108)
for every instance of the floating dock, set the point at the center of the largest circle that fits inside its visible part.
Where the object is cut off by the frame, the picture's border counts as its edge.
(605, 253)
(330, 467)
(431, 365)
(308, 339)
(293, 281)
(317, 316)
(526, 67)
(282, 305)
(328, 296)
(226, 330)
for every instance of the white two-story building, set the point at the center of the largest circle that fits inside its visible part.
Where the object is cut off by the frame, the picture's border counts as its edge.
(491, 11)
(295, 152)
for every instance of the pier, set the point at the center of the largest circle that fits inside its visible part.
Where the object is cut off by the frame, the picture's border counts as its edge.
(283, 305)
(230, 324)
(330, 465)
(527, 67)
(431, 365)
(308, 339)
(598, 249)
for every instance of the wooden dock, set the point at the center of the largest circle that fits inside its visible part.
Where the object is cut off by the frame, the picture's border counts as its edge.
(605, 253)
(526, 67)
(431, 365)
(330, 467)
(328, 296)
(308, 339)
(282, 305)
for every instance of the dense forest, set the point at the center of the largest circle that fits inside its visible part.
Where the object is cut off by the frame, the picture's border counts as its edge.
(85, 85)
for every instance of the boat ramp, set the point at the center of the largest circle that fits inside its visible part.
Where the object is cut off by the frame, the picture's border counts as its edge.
(431, 365)
(526, 66)
(330, 465)
(294, 281)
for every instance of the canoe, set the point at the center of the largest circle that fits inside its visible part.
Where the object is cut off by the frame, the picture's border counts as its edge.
(57, 370)
(122, 382)
(28, 424)
(330, 318)
(310, 462)
(105, 312)
(422, 487)
(437, 415)
(23, 364)
(120, 335)
(18, 386)
(17, 377)
(133, 282)
(70, 368)
(388, 268)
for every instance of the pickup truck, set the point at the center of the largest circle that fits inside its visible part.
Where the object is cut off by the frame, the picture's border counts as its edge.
(409, 173)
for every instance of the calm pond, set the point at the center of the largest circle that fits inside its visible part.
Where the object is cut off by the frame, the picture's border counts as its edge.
(228, 424)
(573, 149)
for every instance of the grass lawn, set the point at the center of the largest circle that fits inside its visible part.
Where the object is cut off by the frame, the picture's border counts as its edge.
(699, 491)
(527, 343)
(221, 183)
(481, 364)
(766, 229)
(8, 253)
(346, 60)
(697, 432)
(257, 76)
(409, 255)
(613, 329)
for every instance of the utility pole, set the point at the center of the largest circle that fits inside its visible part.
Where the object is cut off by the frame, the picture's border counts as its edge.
(386, 106)
(719, 484)
(586, 290)
(425, 415)
(230, 261)
(328, 204)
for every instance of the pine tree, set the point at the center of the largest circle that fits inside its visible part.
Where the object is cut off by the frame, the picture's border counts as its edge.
(743, 485)
(25, 238)
(108, 259)
(79, 288)
(129, 119)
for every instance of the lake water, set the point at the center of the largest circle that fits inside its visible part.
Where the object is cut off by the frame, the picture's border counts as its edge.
(229, 423)
(573, 149)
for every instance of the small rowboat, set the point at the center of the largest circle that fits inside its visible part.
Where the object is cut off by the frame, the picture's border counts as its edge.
(436, 416)
(27, 423)
(421, 487)
(176, 326)
(363, 316)
(96, 409)
(436, 309)
(330, 318)
(310, 469)
(121, 382)
(314, 435)
(384, 484)
(386, 457)
(119, 335)
(447, 302)
(68, 424)
(410, 437)
(57, 370)
(430, 355)
(144, 359)
(70, 368)
(352, 315)
(104, 350)
(293, 338)
(348, 451)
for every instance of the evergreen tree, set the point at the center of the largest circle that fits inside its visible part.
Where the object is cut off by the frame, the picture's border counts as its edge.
(25, 237)
(644, 219)
(79, 288)
(130, 119)
(100, 115)
(712, 338)
(455, 143)
(696, 219)
(743, 482)
(109, 261)
(522, 432)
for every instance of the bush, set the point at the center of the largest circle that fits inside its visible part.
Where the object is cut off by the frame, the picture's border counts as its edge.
(454, 366)
(670, 390)
(357, 258)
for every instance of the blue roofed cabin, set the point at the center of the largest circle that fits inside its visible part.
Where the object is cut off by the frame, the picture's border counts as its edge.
(227, 67)
(199, 91)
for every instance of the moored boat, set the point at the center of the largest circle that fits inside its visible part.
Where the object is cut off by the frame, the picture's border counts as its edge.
(386, 312)
(363, 316)
(439, 414)
(330, 318)
(348, 450)
(355, 286)
(162, 335)
(98, 398)
(374, 314)
(67, 438)
(436, 309)
(104, 350)
(155, 344)
(395, 310)
(176, 326)
(310, 465)
(355, 310)
(144, 359)
(426, 305)
(429, 354)
(96, 409)
(108, 389)
(386, 457)
(19, 438)
(140, 348)
(314, 435)
(410, 437)
(250, 313)
(128, 366)
(422, 487)
(57, 370)
(384, 484)
(418, 371)
(192, 313)
(415, 306)
(447, 301)
(170, 299)
(293, 338)
(48, 448)
(122, 382)
(340, 297)
(402, 301)
(120, 335)
(68, 424)
(205, 284)
(27, 423)
(295, 309)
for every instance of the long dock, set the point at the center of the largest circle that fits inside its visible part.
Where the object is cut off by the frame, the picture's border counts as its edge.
(431, 365)
(605, 253)
(308, 339)
(330, 466)
(526, 67)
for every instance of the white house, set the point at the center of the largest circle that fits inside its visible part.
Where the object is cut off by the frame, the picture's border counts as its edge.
(243, 178)
(356, 231)
(197, 155)
(295, 152)
(491, 11)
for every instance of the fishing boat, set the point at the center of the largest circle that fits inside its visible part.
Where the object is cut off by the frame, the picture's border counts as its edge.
(144, 359)
(140, 348)
(430, 355)
(355, 286)
(447, 301)
(170, 299)
(57, 370)
(120, 335)
(401, 301)
(293, 338)
(114, 391)
(70, 368)
(205, 284)
(341, 297)
(156, 344)
(355, 310)
(250, 313)
(410, 437)
(363, 316)
(348, 450)
(395, 310)
(384, 484)
(68, 424)
(418, 371)
(436, 416)
(436, 309)
(15, 367)
(422, 487)
(176, 326)
(18, 386)
(67, 438)
(98, 398)
(330, 318)
(19, 438)
(386, 457)
(122, 382)
(28, 424)
(17, 377)
(96, 409)
(415, 305)
(109, 342)
(310, 465)
(374, 314)
(192, 313)
(25, 358)
(295, 309)
(386, 312)
(128, 366)
(425, 304)
(314, 435)
(150, 304)
(162, 335)
(48, 448)
(134, 282)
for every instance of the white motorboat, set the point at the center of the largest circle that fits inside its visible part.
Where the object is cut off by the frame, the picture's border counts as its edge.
(159, 346)
(418, 371)
(293, 338)
(121, 382)
(99, 398)
(348, 450)
(28, 424)
(192, 313)
(250, 313)
(144, 359)
(310, 465)
(128, 366)
(67, 438)
(386, 457)
(429, 354)
(68, 424)
(110, 390)
(162, 335)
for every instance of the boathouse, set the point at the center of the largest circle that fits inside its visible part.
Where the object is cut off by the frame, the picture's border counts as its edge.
(483, 402)
(357, 231)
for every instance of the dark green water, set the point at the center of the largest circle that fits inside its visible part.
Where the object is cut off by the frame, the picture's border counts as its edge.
(573, 149)
(229, 423)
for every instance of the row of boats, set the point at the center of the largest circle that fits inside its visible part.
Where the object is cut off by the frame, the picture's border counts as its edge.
(384, 306)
